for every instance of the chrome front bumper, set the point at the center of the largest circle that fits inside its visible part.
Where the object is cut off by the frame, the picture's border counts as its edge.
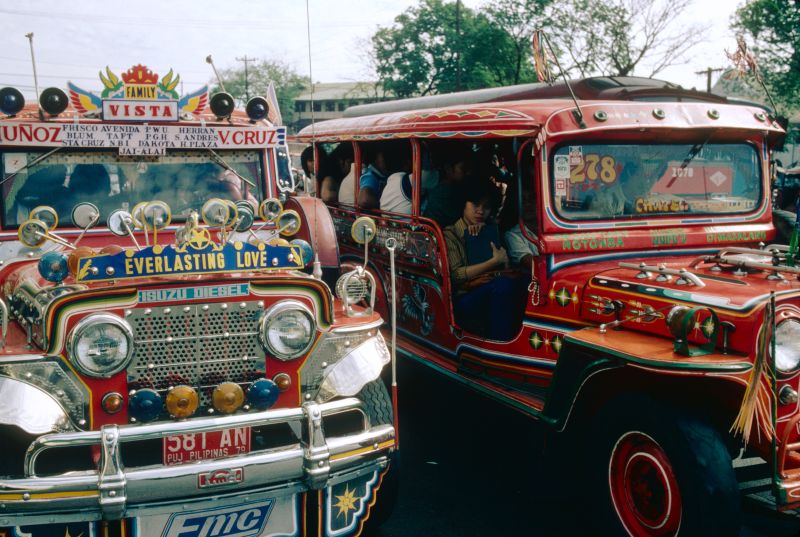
(114, 492)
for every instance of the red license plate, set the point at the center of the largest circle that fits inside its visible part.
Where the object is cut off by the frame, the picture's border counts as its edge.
(183, 448)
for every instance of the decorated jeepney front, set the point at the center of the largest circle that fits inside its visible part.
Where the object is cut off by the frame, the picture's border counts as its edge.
(169, 364)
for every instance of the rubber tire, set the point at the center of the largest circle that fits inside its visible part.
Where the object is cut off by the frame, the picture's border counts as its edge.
(709, 498)
(378, 406)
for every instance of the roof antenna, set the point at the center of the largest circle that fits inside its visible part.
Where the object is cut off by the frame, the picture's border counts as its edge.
(29, 35)
(316, 272)
(219, 80)
(577, 113)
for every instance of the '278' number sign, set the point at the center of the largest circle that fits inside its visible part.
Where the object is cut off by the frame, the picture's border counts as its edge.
(594, 167)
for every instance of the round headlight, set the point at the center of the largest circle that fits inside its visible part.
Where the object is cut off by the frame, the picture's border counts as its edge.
(100, 345)
(287, 329)
(787, 345)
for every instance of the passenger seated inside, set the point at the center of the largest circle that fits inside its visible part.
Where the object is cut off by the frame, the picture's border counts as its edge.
(521, 251)
(224, 183)
(398, 194)
(307, 163)
(92, 183)
(44, 186)
(487, 300)
(338, 170)
(446, 200)
(373, 180)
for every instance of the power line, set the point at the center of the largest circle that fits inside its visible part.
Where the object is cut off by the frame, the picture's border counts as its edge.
(707, 71)
(185, 23)
(246, 80)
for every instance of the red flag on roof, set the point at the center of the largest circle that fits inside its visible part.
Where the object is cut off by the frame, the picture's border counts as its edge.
(274, 108)
(540, 57)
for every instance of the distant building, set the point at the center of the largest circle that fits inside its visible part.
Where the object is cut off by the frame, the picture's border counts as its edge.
(330, 100)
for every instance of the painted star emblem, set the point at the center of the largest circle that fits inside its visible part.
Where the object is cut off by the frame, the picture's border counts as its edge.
(536, 340)
(347, 502)
(563, 297)
(557, 341)
(708, 327)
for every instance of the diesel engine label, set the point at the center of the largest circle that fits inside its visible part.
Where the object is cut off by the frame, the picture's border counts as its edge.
(194, 293)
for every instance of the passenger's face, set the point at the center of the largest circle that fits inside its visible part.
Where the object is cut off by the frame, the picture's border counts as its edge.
(458, 172)
(477, 212)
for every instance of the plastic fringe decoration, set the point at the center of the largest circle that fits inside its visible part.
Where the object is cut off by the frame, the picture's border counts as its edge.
(756, 401)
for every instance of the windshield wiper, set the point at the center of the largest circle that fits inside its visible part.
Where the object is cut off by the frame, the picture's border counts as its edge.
(34, 162)
(693, 152)
(219, 160)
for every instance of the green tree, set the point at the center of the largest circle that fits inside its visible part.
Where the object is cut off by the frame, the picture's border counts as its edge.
(774, 27)
(518, 19)
(426, 51)
(439, 47)
(288, 83)
(621, 37)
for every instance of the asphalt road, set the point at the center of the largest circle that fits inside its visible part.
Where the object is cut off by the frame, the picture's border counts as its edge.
(471, 467)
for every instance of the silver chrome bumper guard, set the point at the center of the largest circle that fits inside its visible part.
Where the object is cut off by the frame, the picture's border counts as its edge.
(112, 491)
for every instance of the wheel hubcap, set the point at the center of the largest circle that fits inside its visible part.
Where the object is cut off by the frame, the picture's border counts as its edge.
(643, 486)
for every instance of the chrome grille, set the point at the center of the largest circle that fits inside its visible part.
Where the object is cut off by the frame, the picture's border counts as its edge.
(199, 345)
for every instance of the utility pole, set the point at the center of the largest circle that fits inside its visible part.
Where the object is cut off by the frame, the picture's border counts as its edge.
(708, 72)
(246, 81)
(458, 45)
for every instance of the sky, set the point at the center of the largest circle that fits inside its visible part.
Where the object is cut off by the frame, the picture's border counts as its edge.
(74, 40)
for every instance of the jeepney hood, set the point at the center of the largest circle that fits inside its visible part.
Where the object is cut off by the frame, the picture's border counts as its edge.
(641, 295)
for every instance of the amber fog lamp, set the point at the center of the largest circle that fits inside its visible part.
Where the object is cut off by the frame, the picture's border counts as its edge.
(227, 398)
(282, 381)
(684, 322)
(77, 254)
(182, 401)
(112, 402)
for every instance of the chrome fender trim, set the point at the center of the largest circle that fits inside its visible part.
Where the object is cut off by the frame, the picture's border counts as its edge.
(30, 408)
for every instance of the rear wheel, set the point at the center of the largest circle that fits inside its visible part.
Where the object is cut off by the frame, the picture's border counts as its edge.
(663, 474)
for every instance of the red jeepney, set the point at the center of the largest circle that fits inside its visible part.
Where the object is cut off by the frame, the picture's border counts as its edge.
(171, 363)
(658, 332)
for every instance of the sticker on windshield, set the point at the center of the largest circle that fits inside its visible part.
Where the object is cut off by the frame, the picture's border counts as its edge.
(561, 172)
(561, 166)
(14, 162)
(575, 155)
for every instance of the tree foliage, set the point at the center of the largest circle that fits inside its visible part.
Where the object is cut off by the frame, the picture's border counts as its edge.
(288, 83)
(419, 53)
(774, 27)
(423, 53)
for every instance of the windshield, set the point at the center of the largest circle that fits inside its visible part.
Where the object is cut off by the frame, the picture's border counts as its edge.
(183, 179)
(596, 181)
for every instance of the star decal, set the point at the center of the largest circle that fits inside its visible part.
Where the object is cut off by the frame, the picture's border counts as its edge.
(557, 342)
(347, 502)
(708, 327)
(563, 297)
(536, 340)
